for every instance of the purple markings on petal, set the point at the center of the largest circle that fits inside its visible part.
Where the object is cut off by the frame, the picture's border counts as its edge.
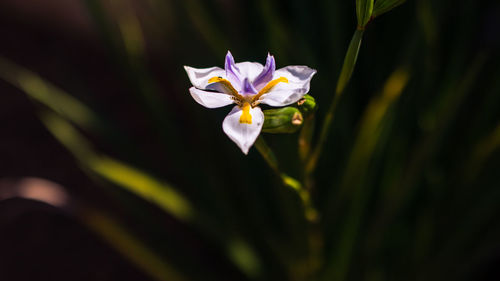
(232, 71)
(267, 73)
(248, 88)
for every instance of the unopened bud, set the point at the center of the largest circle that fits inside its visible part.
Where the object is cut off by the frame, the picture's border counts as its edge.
(307, 105)
(282, 120)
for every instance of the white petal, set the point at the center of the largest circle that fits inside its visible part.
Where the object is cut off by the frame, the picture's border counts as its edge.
(199, 76)
(250, 70)
(210, 99)
(299, 79)
(244, 135)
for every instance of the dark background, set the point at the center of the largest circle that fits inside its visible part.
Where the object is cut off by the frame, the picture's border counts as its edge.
(432, 189)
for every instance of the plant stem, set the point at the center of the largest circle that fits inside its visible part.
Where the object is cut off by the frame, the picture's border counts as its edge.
(315, 239)
(303, 193)
(267, 154)
(305, 138)
(345, 75)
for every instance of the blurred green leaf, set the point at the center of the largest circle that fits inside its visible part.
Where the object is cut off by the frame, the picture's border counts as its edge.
(129, 246)
(203, 22)
(401, 190)
(143, 185)
(150, 189)
(384, 6)
(47, 94)
(276, 30)
(62, 103)
(121, 174)
(355, 173)
(123, 36)
(481, 152)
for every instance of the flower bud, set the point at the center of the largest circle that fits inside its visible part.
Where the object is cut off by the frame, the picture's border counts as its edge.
(282, 120)
(307, 105)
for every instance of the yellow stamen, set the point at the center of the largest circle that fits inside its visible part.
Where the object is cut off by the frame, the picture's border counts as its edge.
(245, 114)
(226, 84)
(268, 87)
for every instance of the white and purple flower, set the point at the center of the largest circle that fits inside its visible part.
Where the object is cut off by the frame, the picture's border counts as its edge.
(248, 84)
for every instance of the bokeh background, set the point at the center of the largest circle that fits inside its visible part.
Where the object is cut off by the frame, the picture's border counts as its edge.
(110, 171)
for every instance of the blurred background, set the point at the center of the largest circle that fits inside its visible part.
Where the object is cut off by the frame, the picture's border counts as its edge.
(111, 171)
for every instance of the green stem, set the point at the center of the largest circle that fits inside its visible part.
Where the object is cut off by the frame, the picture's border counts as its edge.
(310, 213)
(267, 154)
(345, 75)
(304, 194)
(305, 138)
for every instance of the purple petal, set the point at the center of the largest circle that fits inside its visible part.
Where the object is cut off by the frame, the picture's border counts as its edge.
(248, 88)
(267, 73)
(232, 71)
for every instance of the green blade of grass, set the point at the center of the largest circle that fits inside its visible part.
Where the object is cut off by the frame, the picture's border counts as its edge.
(345, 75)
(401, 190)
(129, 246)
(202, 22)
(121, 174)
(153, 190)
(356, 172)
(161, 194)
(65, 105)
(47, 94)
(384, 6)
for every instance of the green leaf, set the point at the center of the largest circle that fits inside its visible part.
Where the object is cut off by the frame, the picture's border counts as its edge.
(47, 94)
(349, 61)
(130, 246)
(345, 75)
(65, 111)
(384, 6)
(356, 170)
(134, 180)
(364, 9)
(150, 189)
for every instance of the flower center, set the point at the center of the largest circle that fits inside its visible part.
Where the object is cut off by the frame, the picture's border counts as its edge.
(246, 102)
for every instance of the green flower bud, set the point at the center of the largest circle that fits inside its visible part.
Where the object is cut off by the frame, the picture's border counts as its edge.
(282, 120)
(307, 105)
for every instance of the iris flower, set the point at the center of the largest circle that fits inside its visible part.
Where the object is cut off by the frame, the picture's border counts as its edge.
(248, 84)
